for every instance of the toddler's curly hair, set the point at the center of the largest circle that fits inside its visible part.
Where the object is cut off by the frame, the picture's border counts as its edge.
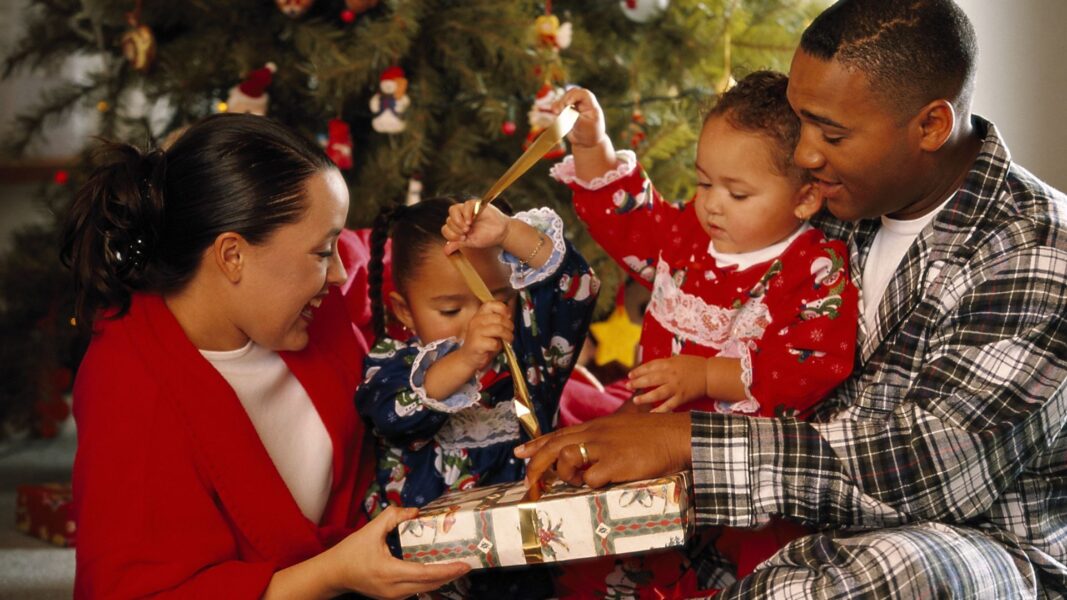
(758, 104)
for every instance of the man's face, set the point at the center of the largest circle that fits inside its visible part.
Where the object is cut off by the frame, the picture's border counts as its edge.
(864, 157)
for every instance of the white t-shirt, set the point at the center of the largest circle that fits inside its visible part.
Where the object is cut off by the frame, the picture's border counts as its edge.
(890, 245)
(286, 420)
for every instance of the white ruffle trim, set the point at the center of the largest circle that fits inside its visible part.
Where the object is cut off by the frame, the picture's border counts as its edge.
(479, 427)
(750, 404)
(563, 171)
(549, 223)
(466, 396)
(709, 325)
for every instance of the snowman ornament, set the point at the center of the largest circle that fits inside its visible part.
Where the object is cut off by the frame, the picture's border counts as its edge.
(541, 116)
(391, 102)
(643, 11)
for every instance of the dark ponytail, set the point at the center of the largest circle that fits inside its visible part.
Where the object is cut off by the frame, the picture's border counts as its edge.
(379, 234)
(413, 230)
(144, 220)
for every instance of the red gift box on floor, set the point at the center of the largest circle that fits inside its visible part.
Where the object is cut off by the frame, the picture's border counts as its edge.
(45, 511)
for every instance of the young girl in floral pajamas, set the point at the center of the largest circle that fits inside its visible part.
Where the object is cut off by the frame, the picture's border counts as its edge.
(752, 310)
(441, 403)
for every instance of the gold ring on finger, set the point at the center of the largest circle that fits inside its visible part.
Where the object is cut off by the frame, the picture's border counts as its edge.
(585, 454)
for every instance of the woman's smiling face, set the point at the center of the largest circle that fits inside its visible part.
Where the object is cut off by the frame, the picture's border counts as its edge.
(286, 278)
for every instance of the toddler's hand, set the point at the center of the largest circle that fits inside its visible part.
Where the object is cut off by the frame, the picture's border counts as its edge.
(673, 381)
(485, 332)
(463, 230)
(590, 129)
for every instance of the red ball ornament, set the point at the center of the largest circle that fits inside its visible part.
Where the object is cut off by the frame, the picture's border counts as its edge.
(348, 16)
(61, 177)
(508, 128)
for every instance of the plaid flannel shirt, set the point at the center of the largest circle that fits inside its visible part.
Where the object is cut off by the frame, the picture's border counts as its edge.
(954, 414)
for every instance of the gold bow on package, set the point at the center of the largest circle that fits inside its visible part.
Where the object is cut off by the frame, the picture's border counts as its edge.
(495, 526)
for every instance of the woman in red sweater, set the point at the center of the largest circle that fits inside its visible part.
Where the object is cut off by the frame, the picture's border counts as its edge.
(219, 451)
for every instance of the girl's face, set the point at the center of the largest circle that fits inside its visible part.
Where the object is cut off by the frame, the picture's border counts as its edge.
(435, 301)
(286, 278)
(742, 201)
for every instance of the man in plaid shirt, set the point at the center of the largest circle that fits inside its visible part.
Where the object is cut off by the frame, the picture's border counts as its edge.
(939, 469)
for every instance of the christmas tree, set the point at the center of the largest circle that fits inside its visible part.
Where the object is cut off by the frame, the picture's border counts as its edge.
(404, 94)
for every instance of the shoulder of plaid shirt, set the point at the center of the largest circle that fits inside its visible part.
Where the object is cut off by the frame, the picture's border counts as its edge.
(941, 464)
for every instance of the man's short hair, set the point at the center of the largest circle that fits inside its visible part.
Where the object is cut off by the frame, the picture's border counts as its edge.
(758, 104)
(911, 51)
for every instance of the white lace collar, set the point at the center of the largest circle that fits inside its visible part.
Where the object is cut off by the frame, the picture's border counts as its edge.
(744, 260)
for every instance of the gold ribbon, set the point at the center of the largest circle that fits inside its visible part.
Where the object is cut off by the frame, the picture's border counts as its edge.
(551, 136)
(531, 538)
(524, 407)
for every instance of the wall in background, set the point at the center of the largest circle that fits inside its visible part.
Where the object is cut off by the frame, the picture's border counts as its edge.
(1022, 79)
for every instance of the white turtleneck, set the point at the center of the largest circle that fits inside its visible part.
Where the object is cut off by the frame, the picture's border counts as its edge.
(285, 419)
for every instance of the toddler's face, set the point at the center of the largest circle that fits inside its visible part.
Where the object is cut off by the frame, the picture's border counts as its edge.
(436, 302)
(742, 201)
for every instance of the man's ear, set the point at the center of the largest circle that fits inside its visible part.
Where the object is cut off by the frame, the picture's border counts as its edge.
(401, 310)
(936, 121)
(807, 201)
(228, 252)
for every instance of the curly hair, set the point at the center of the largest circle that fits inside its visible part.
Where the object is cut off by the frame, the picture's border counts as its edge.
(757, 104)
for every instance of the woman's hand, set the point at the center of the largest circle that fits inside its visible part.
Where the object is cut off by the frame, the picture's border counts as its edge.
(485, 332)
(590, 129)
(462, 230)
(672, 382)
(363, 564)
(624, 447)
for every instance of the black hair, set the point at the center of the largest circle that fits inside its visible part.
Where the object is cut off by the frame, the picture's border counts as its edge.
(911, 51)
(414, 230)
(758, 104)
(144, 219)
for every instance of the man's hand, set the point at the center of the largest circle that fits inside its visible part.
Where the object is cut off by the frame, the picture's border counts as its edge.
(625, 447)
(671, 381)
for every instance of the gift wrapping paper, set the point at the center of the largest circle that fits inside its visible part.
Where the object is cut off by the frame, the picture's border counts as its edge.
(494, 526)
(44, 511)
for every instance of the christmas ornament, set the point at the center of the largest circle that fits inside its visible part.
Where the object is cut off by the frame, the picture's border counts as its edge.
(636, 129)
(616, 338)
(541, 116)
(360, 6)
(348, 16)
(103, 106)
(250, 96)
(643, 11)
(391, 102)
(138, 43)
(61, 177)
(414, 195)
(294, 8)
(508, 128)
(551, 34)
(339, 144)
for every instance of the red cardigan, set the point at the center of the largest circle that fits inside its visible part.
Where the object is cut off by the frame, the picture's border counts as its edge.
(174, 492)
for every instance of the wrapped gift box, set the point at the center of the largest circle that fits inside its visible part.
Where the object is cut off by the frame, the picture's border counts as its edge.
(494, 527)
(44, 511)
